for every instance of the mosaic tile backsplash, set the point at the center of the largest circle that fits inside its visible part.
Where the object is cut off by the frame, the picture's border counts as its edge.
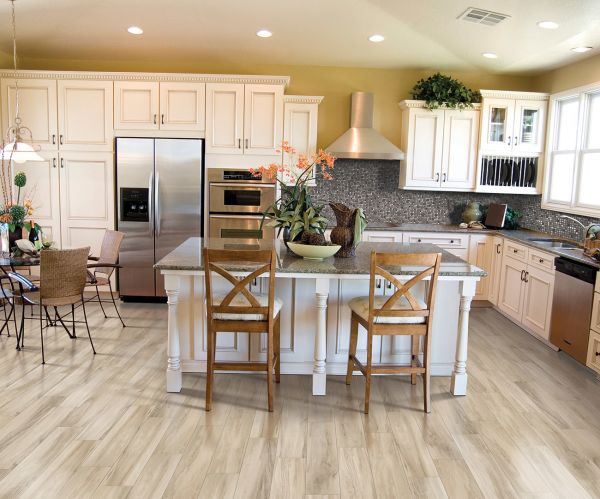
(373, 185)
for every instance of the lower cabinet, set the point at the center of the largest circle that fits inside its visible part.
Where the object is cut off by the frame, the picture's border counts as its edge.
(593, 353)
(480, 255)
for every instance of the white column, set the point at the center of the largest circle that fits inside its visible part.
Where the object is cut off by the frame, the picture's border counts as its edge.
(319, 369)
(172, 286)
(458, 385)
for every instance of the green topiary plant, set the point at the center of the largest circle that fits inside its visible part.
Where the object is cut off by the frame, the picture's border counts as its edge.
(443, 91)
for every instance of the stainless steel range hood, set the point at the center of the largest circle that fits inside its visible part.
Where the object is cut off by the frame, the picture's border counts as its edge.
(361, 141)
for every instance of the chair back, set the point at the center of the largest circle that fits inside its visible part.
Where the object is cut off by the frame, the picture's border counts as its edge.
(109, 252)
(63, 273)
(428, 265)
(262, 260)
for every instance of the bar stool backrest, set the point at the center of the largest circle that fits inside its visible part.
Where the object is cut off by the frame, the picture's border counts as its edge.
(109, 252)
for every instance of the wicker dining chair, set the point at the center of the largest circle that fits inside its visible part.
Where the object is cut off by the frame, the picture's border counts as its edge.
(63, 275)
(103, 268)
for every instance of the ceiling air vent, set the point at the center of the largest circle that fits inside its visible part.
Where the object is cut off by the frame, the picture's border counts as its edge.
(481, 16)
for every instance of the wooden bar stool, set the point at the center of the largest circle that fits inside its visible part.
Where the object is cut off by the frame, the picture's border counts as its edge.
(400, 314)
(241, 311)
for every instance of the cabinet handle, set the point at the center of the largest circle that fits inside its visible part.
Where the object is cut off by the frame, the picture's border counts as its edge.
(498, 248)
(162, 119)
(378, 283)
(60, 139)
(516, 139)
(239, 143)
(62, 162)
(509, 140)
(443, 177)
(522, 275)
(597, 354)
(437, 177)
(526, 277)
(389, 284)
(246, 141)
(53, 162)
(154, 119)
(515, 250)
(53, 138)
(541, 260)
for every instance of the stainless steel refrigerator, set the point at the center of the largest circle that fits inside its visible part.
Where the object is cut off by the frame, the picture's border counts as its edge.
(159, 205)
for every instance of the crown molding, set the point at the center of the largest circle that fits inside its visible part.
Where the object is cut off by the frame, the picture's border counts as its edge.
(511, 94)
(303, 99)
(420, 104)
(167, 77)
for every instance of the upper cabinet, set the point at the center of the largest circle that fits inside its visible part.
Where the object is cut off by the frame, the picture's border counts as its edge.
(244, 118)
(37, 109)
(440, 147)
(85, 118)
(513, 126)
(152, 105)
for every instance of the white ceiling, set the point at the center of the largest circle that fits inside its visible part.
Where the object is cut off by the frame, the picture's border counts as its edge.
(419, 33)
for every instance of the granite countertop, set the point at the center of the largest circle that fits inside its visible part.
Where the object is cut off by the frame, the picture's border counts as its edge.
(188, 256)
(524, 236)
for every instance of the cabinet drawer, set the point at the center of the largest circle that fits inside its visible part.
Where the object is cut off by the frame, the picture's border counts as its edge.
(593, 353)
(515, 250)
(446, 241)
(540, 259)
(595, 325)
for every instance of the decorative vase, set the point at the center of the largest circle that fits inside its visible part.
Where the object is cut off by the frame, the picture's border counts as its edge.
(14, 236)
(343, 233)
(472, 213)
(4, 241)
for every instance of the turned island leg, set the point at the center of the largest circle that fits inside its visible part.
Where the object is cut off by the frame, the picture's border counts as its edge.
(319, 369)
(172, 286)
(458, 385)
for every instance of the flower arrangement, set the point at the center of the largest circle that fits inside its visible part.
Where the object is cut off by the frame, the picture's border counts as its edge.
(14, 214)
(294, 212)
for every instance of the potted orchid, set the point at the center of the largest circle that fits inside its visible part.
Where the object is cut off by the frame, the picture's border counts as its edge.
(294, 212)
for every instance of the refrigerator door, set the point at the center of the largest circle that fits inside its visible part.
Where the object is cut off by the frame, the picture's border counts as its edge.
(177, 196)
(135, 184)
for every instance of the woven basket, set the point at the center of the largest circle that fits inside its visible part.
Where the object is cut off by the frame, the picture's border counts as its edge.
(590, 246)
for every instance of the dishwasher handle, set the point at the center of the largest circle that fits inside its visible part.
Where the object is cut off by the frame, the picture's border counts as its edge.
(577, 270)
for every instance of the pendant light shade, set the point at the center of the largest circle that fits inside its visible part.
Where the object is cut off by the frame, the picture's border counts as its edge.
(20, 152)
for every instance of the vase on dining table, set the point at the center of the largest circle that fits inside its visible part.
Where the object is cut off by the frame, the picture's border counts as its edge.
(343, 232)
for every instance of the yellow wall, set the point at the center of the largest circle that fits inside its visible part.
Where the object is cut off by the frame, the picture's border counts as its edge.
(335, 84)
(571, 76)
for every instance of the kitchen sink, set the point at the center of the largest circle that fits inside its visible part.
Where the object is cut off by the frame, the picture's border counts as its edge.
(555, 243)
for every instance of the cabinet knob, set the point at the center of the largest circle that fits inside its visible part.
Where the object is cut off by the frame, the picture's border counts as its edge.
(541, 260)
(597, 354)
(515, 250)
(451, 241)
(418, 240)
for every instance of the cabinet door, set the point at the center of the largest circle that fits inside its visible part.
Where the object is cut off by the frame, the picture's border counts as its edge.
(496, 269)
(42, 188)
(593, 352)
(382, 236)
(300, 129)
(459, 157)
(182, 106)
(510, 297)
(37, 109)
(497, 125)
(537, 306)
(263, 111)
(85, 115)
(595, 325)
(529, 126)
(136, 105)
(480, 255)
(224, 118)
(424, 149)
(86, 198)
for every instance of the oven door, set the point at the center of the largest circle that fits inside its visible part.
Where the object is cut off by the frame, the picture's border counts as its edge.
(240, 198)
(245, 227)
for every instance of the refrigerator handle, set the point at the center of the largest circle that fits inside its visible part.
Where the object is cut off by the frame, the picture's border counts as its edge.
(157, 203)
(151, 204)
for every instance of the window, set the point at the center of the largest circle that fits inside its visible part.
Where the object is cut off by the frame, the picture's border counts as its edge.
(573, 157)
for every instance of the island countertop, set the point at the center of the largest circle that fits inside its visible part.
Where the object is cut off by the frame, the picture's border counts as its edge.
(188, 257)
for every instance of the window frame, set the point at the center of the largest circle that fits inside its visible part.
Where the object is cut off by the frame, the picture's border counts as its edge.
(583, 95)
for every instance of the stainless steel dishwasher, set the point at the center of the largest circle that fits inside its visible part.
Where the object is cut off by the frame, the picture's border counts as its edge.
(572, 307)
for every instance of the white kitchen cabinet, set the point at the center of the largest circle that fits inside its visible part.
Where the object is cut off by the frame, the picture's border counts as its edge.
(440, 147)
(593, 353)
(86, 198)
(537, 305)
(382, 236)
(480, 255)
(224, 118)
(136, 105)
(512, 287)
(37, 109)
(244, 118)
(595, 323)
(496, 269)
(182, 106)
(85, 115)
(455, 243)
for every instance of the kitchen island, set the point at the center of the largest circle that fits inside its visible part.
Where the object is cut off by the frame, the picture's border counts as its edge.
(315, 319)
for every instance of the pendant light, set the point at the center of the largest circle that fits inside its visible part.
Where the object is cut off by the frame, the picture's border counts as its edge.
(18, 146)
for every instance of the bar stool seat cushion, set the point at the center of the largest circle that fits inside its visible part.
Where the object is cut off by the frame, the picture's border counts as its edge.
(240, 301)
(360, 306)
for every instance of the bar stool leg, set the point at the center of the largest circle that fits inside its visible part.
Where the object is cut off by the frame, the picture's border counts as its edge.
(209, 367)
(270, 368)
(352, 349)
(277, 342)
(415, 352)
(368, 370)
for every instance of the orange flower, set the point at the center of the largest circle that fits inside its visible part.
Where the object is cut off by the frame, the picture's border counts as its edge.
(303, 163)
(5, 218)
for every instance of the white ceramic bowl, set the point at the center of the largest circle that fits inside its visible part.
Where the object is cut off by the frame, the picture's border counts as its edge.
(312, 252)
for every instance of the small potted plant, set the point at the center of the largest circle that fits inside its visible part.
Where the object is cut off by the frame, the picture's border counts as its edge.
(14, 213)
(444, 91)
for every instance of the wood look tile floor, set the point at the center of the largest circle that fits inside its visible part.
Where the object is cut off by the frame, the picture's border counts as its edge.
(84, 426)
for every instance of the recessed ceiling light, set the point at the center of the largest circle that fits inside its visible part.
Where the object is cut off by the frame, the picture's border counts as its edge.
(135, 30)
(376, 38)
(264, 33)
(580, 50)
(547, 25)
(490, 55)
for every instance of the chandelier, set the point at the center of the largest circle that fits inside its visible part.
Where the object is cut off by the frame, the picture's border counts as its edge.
(18, 144)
